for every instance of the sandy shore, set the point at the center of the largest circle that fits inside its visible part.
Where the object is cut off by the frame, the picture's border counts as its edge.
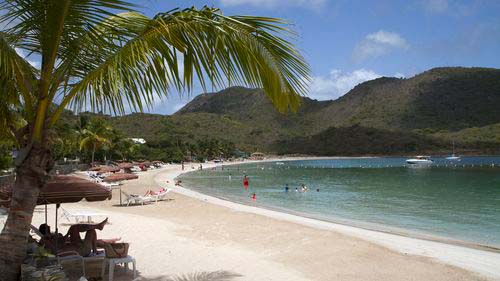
(205, 238)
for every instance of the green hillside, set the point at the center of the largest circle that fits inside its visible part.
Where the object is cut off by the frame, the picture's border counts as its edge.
(424, 113)
(438, 99)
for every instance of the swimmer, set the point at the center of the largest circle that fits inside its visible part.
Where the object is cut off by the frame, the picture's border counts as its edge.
(296, 189)
(286, 188)
(317, 189)
(254, 197)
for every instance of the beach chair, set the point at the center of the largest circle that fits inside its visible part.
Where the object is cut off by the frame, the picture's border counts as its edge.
(68, 256)
(110, 185)
(80, 215)
(137, 199)
(159, 196)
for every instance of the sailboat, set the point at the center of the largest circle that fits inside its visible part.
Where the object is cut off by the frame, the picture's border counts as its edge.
(453, 157)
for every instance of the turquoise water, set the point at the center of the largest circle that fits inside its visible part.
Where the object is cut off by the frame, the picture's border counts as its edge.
(456, 200)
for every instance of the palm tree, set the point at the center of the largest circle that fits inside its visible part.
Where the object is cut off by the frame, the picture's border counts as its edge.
(103, 55)
(95, 135)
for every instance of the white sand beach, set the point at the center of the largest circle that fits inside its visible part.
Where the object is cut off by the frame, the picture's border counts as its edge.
(199, 237)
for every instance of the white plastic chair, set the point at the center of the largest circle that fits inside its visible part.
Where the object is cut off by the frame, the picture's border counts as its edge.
(137, 199)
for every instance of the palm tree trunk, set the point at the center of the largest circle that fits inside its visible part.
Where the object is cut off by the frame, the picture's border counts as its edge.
(93, 152)
(31, 174)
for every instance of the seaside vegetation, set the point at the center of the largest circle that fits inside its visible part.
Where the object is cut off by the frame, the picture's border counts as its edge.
(106, 56)
(91, 138)
(423, 114)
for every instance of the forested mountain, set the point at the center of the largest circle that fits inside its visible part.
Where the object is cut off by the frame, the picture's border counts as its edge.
(383, 116)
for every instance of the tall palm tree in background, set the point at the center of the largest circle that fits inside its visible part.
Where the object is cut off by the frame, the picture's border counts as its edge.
(103, 55)
(95, 135)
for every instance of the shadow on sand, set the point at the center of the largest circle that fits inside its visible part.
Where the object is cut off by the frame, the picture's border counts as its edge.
(220, 275)
(124, 204)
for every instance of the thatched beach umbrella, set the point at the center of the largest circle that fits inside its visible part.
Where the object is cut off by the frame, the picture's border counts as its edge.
(120, 177)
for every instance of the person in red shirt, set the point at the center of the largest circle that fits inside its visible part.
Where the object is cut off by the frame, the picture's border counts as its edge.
(245, 182)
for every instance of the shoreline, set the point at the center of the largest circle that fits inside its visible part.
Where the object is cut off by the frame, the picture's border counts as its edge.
(346, 222)
(186, 237)
(482, 259)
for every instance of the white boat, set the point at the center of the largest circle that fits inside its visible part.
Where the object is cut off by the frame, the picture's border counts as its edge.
(453, 157)
(419, 161)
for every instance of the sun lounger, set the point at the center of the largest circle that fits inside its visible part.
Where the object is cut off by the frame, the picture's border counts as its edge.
(110, 185)
(63, 257)
(67, 256)
(80, 215)
(137, 199)
(160, 195)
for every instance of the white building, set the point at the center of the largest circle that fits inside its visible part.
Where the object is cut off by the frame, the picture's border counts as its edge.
(138, 140)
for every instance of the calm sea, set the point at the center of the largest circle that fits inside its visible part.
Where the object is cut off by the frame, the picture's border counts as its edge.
(454, 200)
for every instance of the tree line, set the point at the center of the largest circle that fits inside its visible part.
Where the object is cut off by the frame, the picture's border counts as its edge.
(92, 139)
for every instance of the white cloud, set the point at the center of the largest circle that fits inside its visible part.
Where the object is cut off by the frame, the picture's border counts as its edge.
(21, 53)
(377, 44)
(338, 83)
(312, 4)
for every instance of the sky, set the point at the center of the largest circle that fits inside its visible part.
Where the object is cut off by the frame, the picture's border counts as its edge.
(347, 42)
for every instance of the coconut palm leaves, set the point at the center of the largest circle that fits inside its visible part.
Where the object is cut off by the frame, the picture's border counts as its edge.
(95, 135)
(94, 59)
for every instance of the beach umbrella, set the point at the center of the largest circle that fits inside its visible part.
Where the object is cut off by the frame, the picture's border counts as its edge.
(109, 169)
(126, 165)
(94, 169)
(120, 177)
(64, 189)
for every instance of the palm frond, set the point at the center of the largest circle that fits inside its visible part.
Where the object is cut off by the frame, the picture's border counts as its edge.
(215, 48)
(17, 76)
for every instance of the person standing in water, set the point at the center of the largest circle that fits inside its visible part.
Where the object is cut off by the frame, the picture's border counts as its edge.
(287, 188)
(245, 182)
(182, 164)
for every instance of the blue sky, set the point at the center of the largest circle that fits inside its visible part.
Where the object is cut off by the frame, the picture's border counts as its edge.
(348, 42)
